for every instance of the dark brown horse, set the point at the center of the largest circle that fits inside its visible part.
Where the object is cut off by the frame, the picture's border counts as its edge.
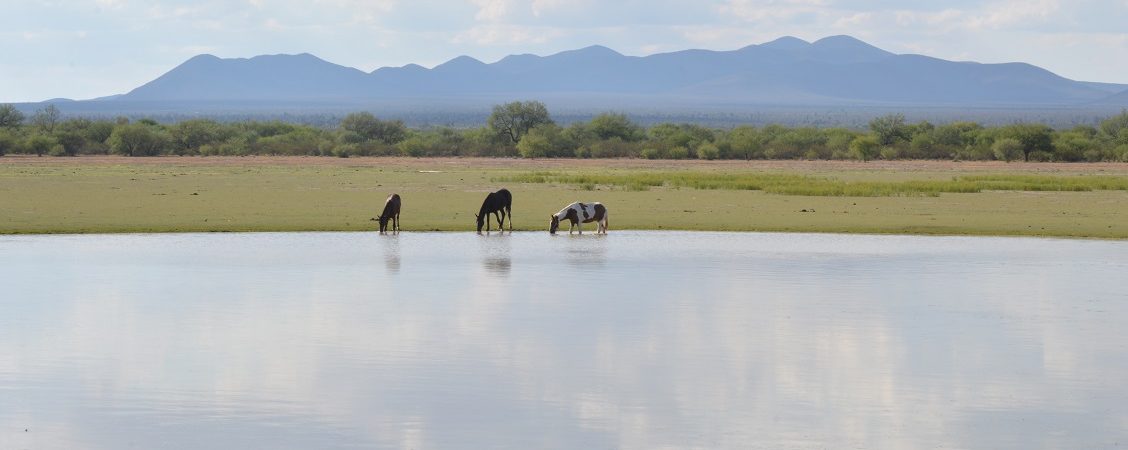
(391, 212)
(500, 204)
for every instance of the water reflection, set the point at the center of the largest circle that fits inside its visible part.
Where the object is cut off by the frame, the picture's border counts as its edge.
(391, 247)
(495, 249)
(585, 252)
(301, 341)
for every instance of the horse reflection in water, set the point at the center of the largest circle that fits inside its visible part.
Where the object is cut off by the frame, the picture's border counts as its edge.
(392, 254)
(495, 251)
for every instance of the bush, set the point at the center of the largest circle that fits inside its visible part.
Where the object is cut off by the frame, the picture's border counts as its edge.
(890, 153)
(1041, 156)
(40, 144)
(7, 143)
(708, 151)
(651, 153)
(678, 153)
(1007, 149)
(1120, 153)
(864, 147)
(413, 147)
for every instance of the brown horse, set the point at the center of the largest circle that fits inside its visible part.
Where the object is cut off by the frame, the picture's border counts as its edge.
(391, 212)
(500, 204)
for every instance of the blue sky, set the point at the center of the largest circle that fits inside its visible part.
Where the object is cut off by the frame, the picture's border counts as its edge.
(90, 48)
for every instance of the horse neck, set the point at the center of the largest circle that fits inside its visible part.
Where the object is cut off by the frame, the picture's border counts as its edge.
(560, 215)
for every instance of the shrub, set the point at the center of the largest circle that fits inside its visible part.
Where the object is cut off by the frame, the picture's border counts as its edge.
(708, 151)
(890, 153)
(650, 153)
(864, 147)
(1007, 149)
(678, 153)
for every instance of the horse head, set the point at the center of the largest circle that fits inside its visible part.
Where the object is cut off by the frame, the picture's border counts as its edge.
(479, 218)
(553, 224)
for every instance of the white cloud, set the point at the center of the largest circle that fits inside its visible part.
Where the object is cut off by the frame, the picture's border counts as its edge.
(761, 10)
(491, 10)
(1015, 12)
(500, 34)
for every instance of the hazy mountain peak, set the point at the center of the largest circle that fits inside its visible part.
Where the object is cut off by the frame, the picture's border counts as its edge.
(847, 43)
(787, 43)
(460, 62)
(591, 51)
(203, 57)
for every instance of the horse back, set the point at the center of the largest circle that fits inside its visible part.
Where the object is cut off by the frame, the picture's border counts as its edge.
(391, 206)
(505, 198)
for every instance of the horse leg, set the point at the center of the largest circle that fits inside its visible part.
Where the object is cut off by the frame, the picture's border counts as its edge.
(395, 225)
(509, 211)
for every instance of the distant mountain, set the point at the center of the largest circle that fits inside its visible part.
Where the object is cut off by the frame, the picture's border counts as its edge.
(837, 70)
(289, 77)
(1120, 99)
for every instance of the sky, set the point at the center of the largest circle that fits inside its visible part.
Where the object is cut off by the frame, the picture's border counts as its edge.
(90, 48)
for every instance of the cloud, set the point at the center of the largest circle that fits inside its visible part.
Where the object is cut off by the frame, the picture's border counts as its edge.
(1014, 12)
(501, 34)
(491, 10)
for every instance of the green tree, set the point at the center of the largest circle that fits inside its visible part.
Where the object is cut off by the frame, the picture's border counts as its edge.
(1114, 127)
(708, 150)
(545, 140)
(41, 144)
(864, 148)
(1007, 149)
(745, 142)
(512, 120)
(890, 129)
(188, 136)
(608, 125)
(7, 142)
(138, 139)
(367, 126)
(45, 119)
(1034, 137)
(414, 146)
(10, 117)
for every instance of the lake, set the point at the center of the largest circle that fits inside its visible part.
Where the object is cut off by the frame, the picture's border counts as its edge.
(525, 340)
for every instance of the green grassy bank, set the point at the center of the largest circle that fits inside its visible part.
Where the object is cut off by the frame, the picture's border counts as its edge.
(110, 195)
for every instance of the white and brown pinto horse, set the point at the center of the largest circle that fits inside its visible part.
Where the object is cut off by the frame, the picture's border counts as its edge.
(579, 214)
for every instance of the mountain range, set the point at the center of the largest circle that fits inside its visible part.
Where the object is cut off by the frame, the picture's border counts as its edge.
(837, 70)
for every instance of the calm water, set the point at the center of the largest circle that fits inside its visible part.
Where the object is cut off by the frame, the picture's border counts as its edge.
(634, 340)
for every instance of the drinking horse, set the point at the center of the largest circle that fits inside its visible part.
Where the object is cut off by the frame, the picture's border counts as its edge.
(391, 212)
(500, 204)
(578, 214)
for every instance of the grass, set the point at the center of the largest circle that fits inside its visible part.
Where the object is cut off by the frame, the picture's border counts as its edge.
(76, 195)
(808, 185)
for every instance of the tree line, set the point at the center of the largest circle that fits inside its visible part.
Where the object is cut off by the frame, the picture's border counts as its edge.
(526, 129)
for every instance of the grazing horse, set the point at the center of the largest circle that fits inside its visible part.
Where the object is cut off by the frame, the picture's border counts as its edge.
(500, 204)
(391, 212)
(579, 214)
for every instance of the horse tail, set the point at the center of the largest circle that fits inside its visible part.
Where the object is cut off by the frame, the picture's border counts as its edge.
(606, 221)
